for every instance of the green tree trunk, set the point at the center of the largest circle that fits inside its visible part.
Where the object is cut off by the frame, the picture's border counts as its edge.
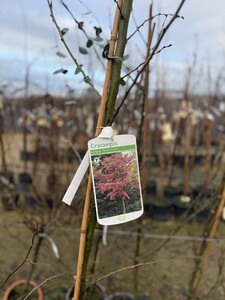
(117, 63)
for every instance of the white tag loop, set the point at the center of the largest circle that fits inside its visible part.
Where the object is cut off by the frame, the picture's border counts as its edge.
(106, 133)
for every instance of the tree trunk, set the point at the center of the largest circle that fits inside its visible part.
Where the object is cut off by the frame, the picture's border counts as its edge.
(89, 223)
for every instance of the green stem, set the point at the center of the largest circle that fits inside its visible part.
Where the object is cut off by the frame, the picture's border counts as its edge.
(88, 247)
(117, 64)
(33, 265)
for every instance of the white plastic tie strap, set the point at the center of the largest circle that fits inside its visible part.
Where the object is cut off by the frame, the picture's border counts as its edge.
(106, 133)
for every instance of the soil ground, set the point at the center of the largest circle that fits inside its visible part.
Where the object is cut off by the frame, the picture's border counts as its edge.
(166, 264)
(165, 274)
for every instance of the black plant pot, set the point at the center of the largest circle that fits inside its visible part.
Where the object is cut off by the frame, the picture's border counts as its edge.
(181, 209)
(147, 209)
(26, 156)
(153, 161)
(151, 188)
(173, 192)
(178, 159)
(30, 202)
(49, 203)
(200, 191)
(25, 178)
(198, 159)
(204, 214)
(196, 191)
(25, 181)
(205, 207)
(96, 291)
(161, 210)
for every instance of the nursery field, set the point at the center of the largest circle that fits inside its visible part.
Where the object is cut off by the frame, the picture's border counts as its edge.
(167, 258)
(155, 256)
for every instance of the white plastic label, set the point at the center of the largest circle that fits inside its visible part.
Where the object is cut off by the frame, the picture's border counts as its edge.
(77, 178)
(116, 179)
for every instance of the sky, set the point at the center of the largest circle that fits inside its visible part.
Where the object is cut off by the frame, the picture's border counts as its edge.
(29, 43)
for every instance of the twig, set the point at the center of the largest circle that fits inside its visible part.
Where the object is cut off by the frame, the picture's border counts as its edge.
(138, 27)
(164, 47)
(24, 261)
(54, 218)
(141, 265)
(42, 283)
(151, 18)
(74, 150)
(141, 64)
(36, 263)
(173, 232)
(206, 246)
(86, 78)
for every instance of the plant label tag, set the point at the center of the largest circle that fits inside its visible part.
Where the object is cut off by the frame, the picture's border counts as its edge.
(116, 179)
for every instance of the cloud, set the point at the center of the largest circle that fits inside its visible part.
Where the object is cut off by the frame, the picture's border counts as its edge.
(28, 37)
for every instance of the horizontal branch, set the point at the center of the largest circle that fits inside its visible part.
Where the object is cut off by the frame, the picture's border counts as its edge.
(142, 265)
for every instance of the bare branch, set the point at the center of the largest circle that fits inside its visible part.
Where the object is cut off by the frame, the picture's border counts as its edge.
(141, 265)
(138, 27)
(151, 18)
(141, 64)
(154, 50)
(42, 283)
(24, 261)
(85, 33)
(164, 47)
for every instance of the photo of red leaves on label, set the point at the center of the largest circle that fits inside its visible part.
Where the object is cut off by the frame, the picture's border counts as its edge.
(116, 183)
